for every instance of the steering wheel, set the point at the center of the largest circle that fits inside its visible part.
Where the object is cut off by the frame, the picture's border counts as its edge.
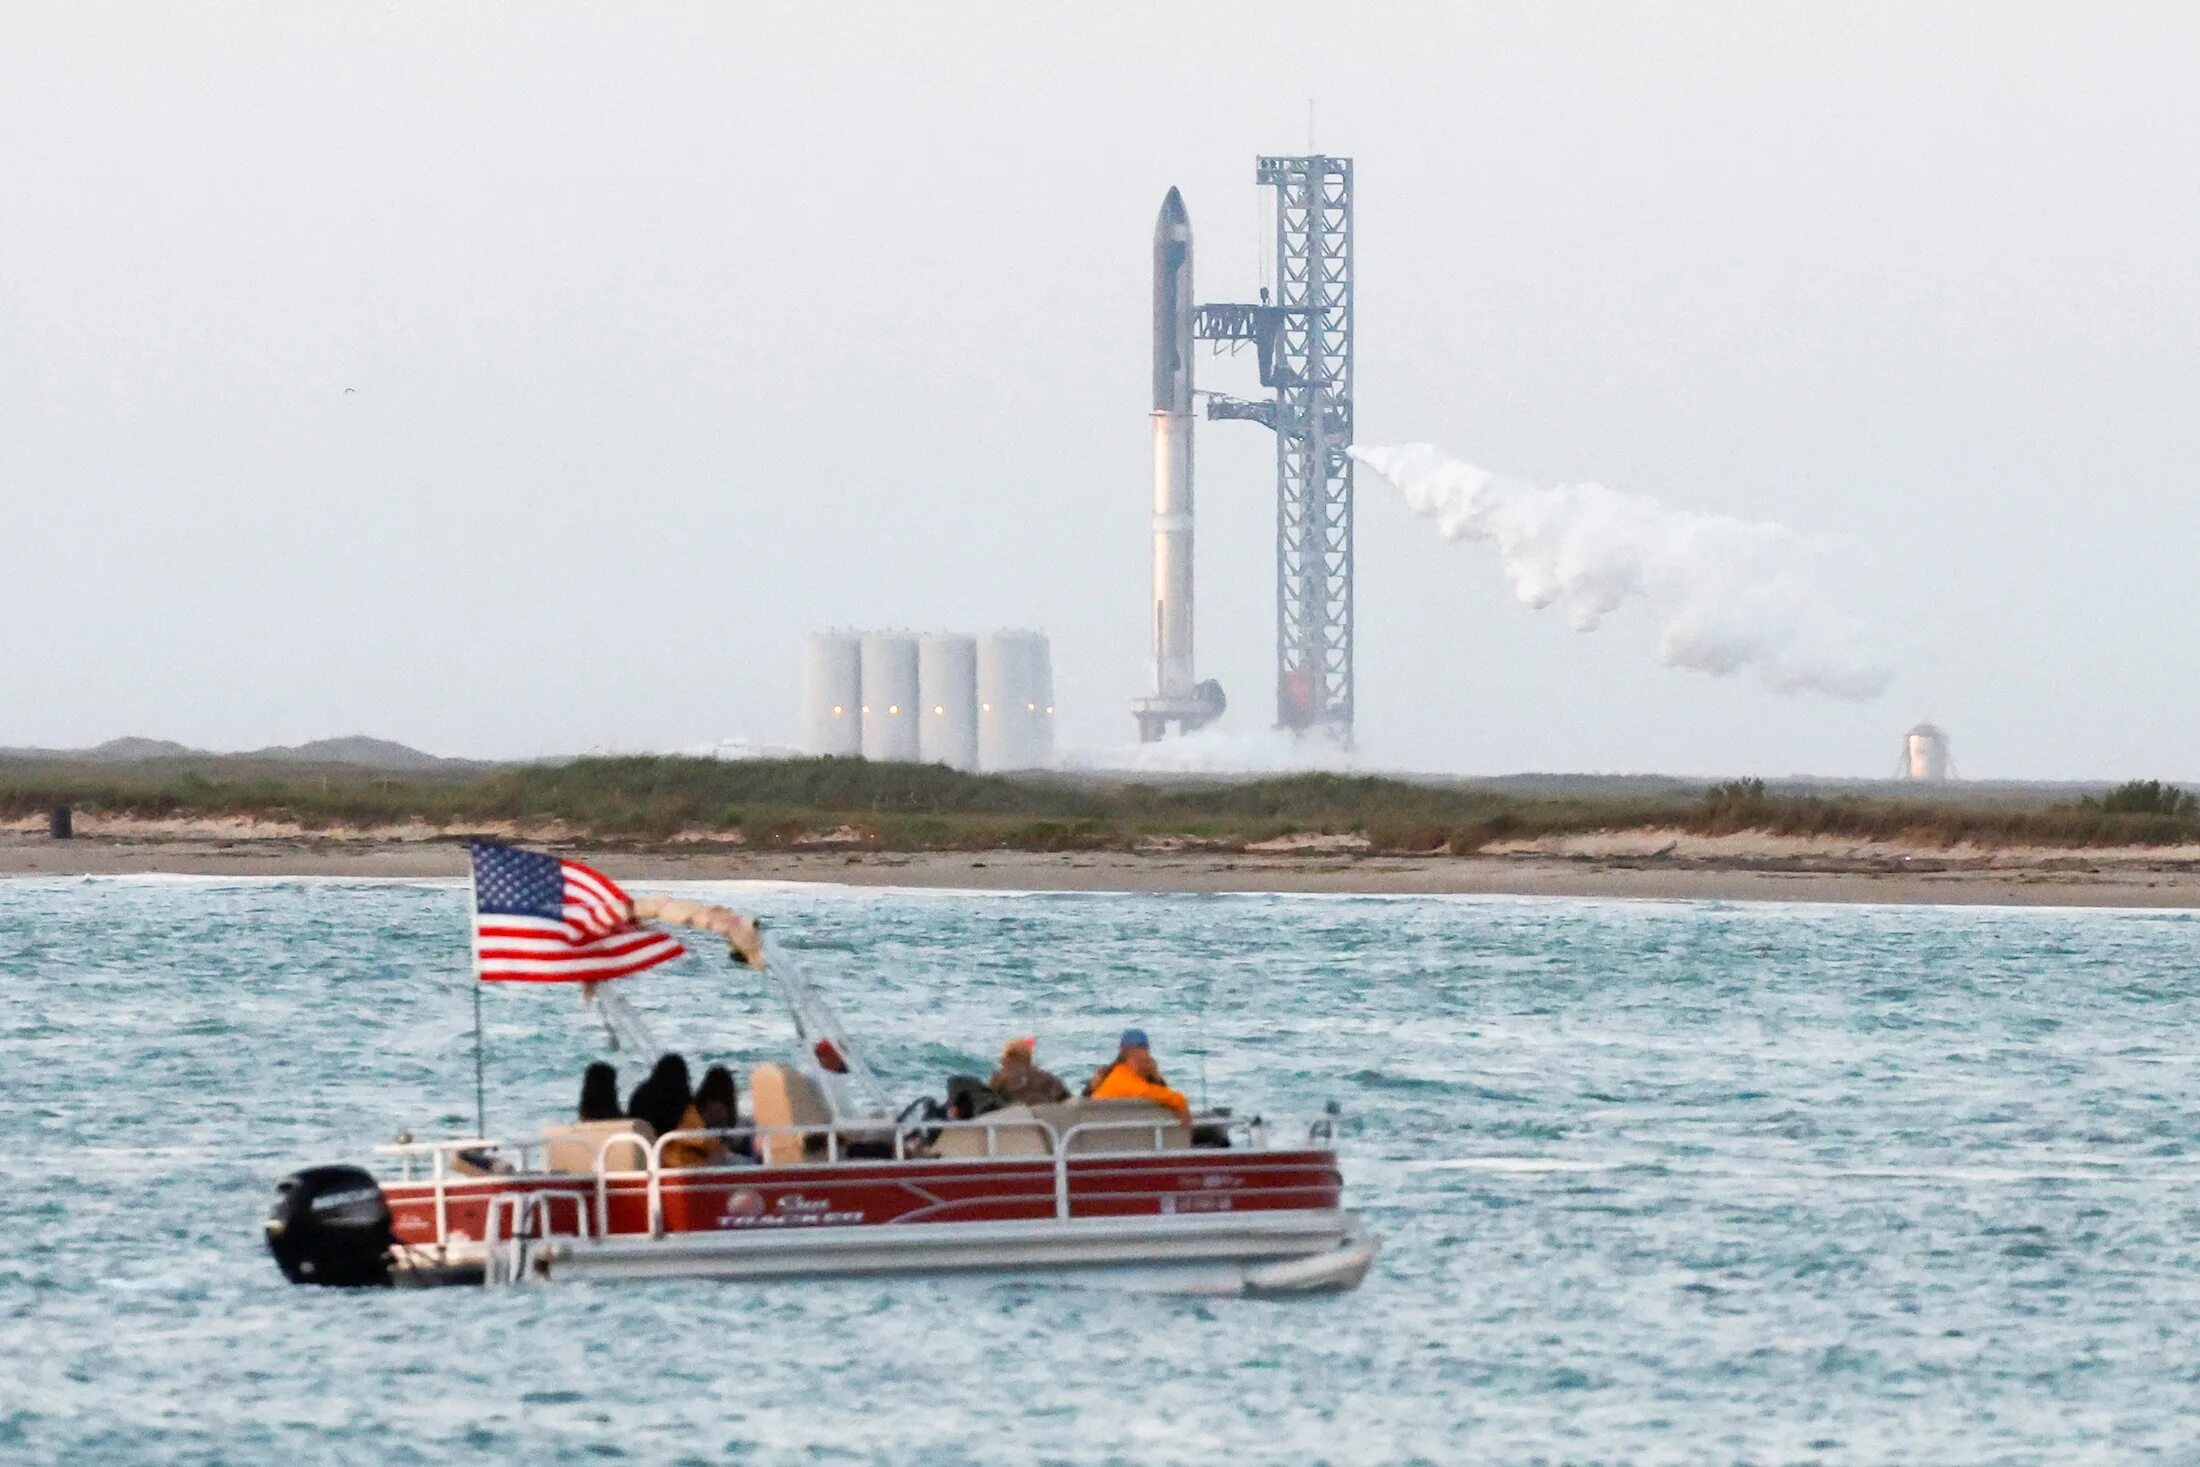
(916, 1118)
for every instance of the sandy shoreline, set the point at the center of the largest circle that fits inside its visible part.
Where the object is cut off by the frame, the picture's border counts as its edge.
(1634, 864)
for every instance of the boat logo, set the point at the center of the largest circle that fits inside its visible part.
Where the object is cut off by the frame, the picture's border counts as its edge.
(747, 1209)
(330, 1201)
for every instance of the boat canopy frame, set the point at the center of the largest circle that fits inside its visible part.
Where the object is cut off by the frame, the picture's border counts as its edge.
(828, 1056)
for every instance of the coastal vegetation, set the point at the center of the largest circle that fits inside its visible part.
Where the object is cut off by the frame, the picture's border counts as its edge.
(771, 803)
(2148, 797)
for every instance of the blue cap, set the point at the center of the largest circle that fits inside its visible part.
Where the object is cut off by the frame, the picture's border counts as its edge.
(1133, 1039)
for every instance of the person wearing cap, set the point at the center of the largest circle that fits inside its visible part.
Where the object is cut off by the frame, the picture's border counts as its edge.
(1133, 1075)
(1021, 1082)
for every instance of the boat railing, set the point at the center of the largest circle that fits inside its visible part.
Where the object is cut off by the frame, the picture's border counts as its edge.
(1158, 1130)
(439, 1156)
(834, 1134)
(534, 1217)
(1059, 1144)
(526, 1157)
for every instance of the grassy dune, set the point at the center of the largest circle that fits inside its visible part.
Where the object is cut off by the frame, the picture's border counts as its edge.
(926, 807)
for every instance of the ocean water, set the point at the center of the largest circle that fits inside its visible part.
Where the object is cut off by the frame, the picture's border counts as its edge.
(1656, 1182)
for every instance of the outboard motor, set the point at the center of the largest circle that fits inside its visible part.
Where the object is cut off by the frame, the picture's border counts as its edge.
(331, 1225)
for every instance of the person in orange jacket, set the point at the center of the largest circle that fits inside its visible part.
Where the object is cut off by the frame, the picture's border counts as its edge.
(1133, 1075)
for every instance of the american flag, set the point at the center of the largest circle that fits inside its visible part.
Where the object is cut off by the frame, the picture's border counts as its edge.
(538, 919)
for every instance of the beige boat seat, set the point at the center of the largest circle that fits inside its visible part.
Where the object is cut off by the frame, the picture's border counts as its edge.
(573, 1149)
(1021, 1130)
(783, 1096)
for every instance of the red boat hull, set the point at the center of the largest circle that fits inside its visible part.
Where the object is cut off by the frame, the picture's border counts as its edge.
(872, 1194)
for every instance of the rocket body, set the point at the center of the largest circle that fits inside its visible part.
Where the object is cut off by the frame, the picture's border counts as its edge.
(1172, 451)
(1178, 699)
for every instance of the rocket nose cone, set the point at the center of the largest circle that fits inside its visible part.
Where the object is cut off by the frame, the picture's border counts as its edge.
(1172, 215)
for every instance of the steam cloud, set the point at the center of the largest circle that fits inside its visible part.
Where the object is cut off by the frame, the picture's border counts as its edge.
(1725, 594)
(1217, 751)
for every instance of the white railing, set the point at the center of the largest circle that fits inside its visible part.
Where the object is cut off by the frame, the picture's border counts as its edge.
(439, 1154)
(1059, 1146)
(534, 1218)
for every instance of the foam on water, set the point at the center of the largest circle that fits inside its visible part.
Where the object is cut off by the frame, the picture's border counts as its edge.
(1657, 1181)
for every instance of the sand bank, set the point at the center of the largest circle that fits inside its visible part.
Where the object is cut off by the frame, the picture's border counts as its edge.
(1647, 864)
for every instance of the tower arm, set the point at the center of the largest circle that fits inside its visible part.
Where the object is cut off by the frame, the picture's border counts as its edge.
(1227, 322)
(1226, 409)
(1237, 323)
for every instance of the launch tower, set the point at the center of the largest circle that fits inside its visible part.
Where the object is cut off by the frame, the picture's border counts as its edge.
(1304, 343)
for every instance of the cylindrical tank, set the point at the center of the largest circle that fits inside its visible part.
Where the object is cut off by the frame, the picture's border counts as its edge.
(947, 691)
(1015, 701)
(1042, 702)
(832, 694)
(1000, 694)
(1925, 754)
(889, 664)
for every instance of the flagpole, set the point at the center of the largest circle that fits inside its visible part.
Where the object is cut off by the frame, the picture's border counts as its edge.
(481, 1121)
(473, 927)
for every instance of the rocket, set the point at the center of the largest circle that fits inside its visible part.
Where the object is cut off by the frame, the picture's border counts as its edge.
(1172, 450)
(1177, 698)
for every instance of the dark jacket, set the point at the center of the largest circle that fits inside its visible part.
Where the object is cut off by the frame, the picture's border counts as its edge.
(1020, 1082)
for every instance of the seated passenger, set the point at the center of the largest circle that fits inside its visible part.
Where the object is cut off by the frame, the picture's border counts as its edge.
(1021, 1082)
(1133, 1075)
(715, 1109)
(662, 1101)
(718, 1099)
(600, 1093)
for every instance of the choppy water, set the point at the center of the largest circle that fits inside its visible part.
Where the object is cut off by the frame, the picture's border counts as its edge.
(1657, 1182)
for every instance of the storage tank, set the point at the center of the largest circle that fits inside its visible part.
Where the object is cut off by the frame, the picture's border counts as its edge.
(1925, 754)
(889, 663)
(947, 692)
(1042, 702)
(996, 680)
(1015, 701)
(832, 694)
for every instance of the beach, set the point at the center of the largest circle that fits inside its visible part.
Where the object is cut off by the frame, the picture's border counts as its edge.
(1646, 864)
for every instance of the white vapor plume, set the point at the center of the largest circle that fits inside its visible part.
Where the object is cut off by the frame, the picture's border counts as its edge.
(1725, 594)
(1217, 751)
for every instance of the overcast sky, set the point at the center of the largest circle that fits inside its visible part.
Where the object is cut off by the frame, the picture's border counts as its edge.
(674, 332)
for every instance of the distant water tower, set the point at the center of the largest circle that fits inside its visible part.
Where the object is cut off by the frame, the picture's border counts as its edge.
(1925, 757)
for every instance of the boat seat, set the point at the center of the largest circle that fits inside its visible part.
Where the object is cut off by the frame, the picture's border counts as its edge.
(1015, 1134)
(572, 1149)
(783, 1096)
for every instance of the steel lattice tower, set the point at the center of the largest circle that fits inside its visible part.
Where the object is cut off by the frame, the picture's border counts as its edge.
(1305, 342)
